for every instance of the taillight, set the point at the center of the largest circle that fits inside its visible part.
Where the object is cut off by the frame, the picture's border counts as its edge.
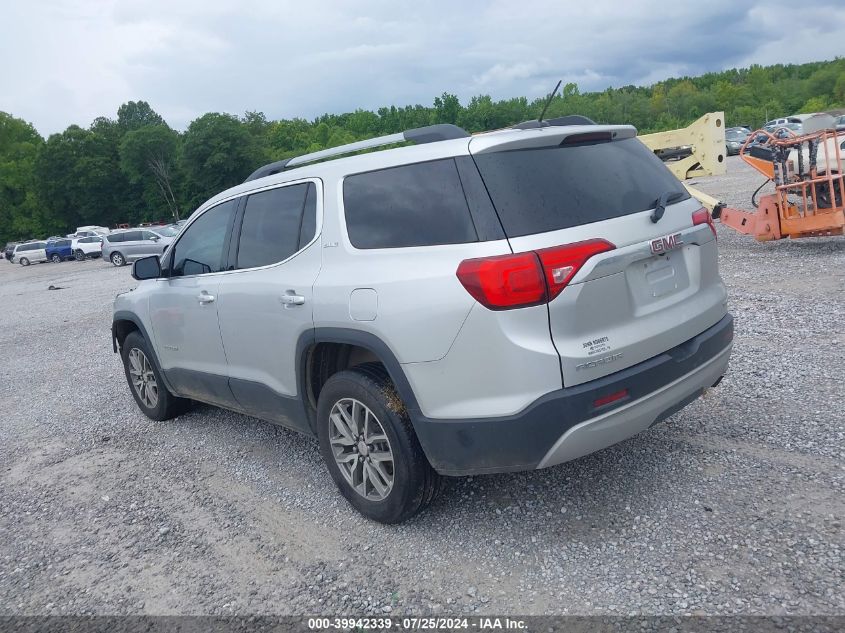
(702, 216)
(527, 279)
(560, 263)
(504, 281)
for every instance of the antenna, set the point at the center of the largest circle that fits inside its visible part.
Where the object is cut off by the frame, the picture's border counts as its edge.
(549, 101)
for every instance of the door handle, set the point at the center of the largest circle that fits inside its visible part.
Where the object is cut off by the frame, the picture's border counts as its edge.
(292, 300)
(204, 297)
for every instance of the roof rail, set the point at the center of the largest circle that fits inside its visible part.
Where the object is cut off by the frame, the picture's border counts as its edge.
(420, 135)
(572, 119)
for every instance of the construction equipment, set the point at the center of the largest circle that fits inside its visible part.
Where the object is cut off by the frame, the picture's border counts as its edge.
(806, 170)
(703, 142)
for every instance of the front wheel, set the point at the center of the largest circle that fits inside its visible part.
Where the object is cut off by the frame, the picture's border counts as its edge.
(370, 448)
(117, 259)
(24, 261)
(145, 382)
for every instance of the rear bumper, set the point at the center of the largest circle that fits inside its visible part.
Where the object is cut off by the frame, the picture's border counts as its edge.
(564, 424)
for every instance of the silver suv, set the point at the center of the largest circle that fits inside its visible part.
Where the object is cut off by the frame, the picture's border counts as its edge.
(469, 304)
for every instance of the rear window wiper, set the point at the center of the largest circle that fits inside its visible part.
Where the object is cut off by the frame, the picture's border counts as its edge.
(665, 198)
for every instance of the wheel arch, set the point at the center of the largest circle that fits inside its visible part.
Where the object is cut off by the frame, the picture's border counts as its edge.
(310, 341)
(123, 324)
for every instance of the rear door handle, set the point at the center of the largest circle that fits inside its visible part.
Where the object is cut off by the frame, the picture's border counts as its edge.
(292, 300)
(204, 297)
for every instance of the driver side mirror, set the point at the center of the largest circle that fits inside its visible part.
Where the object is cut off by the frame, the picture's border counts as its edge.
(146, 268)
(155, 238)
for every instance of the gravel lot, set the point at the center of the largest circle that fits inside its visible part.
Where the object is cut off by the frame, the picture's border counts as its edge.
(735, 505)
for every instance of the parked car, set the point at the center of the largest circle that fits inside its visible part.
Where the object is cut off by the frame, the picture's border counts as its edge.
(84, 247)
(840, 123)
(8, 250)
(120, 247)
(30, 253)
(59, 250)
(781, 122)
(734, 138)
(89, 231)
(469, 304)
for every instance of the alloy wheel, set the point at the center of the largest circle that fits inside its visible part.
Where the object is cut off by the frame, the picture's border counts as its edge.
(143, 378)
(361, 449)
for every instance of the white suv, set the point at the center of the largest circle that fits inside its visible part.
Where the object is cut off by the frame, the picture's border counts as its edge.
(470, 304)
(83, 247)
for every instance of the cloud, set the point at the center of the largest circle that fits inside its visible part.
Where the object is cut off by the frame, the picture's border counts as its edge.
(69, 61)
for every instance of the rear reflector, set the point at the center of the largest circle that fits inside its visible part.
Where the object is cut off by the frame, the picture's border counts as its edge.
(600, 402)
(702, 216)
(527, 279)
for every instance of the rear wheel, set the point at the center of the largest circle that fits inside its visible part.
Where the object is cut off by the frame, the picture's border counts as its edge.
(79, 256)
(145, 382)
(370, 448)
(24, 261)
(56, 258)
(117, 259)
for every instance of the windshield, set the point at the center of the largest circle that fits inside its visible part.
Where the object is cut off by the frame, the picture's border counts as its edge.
(735, 135)
(167, 231)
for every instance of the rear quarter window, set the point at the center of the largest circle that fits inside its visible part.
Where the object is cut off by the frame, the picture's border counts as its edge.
(422, 204)
(551, 188)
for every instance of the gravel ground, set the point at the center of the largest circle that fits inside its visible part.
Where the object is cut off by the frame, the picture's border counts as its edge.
(734, 506)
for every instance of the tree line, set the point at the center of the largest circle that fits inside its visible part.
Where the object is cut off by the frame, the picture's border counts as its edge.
(136, 168)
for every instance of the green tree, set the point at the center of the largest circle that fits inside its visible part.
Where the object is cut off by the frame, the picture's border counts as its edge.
(218, 152)
(148, 156)
(135, 114)
(19, 146)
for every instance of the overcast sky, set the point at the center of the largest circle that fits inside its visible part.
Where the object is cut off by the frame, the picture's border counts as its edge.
(69, 61)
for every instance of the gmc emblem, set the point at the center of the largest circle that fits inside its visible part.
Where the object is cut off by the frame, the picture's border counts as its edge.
(665, 244)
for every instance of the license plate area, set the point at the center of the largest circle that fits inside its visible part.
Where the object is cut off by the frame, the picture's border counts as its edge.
(660, 275)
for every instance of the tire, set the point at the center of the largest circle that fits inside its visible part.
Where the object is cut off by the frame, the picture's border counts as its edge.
(823, 196)
(414, 483)
(24, 261)
(56, 258)
(79, 256)
(117, 259)
(137, 355)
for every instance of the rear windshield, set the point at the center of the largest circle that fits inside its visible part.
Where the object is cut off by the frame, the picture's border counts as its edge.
(551, 188)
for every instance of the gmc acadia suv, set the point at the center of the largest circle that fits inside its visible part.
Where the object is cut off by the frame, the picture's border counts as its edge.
(469, 304)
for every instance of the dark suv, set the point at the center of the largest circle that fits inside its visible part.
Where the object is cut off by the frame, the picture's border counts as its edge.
(8, 250)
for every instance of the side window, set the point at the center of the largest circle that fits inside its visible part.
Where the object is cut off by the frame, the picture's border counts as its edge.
(148, 235)
(131, 236)
(200, 249)
(115, 238)
(412, 205)
(273, 225)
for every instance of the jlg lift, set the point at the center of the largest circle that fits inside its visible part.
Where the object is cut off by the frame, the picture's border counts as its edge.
(809, 187)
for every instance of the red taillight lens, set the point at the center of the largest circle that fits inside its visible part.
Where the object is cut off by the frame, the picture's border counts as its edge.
(504, 282)
(702, 216)
(560, 263)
